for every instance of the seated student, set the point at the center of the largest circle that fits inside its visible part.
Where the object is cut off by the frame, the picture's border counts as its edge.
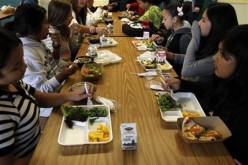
(152, 13)
(227, 96)
(80, 17)
(112, 6)
(179, 35)
(19, 103)
(217, 19)
(60, 17)
(135, 8)
(93, 17)
(196, 8)
(43, 72)
(90, 5)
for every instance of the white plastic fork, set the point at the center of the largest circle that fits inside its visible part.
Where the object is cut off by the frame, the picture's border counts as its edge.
(171, 91)
(89, 101)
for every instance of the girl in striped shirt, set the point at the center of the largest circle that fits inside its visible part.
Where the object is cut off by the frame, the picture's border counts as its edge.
(19, 103)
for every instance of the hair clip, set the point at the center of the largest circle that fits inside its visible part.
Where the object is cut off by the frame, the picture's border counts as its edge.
(180, 11)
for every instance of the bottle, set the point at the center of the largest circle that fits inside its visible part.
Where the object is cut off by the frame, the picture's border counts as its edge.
(161, 56)
(103, 40)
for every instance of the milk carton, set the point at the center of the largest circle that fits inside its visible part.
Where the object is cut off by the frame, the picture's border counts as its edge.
(128, 136)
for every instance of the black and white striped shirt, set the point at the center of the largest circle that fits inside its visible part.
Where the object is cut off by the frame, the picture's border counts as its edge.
(19, 121)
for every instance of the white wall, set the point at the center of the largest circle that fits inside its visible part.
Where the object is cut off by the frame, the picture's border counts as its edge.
(241, 7)
(100, 2)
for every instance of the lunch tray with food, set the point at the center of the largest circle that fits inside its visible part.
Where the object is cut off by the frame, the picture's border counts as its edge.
(187, 106)
(144, 45)
(149, 62)
(84, 124)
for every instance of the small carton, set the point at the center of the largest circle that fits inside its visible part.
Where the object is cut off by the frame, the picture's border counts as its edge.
(212, 122)
(128, 136)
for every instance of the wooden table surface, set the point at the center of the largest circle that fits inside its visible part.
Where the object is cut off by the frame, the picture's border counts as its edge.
(3, 16)
(158, 141)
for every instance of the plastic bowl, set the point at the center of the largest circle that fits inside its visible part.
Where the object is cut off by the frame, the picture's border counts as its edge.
(107, 21)
(94, 40)
(91, 87)
(81, 60)
(91, 71)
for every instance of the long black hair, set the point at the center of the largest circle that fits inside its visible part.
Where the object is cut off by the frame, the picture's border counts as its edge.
(80, 15)
(58, 12)
(222, 17)
(8, 42)
(28, 19)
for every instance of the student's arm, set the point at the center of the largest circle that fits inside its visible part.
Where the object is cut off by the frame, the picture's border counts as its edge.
(192, 66)
(57, 99)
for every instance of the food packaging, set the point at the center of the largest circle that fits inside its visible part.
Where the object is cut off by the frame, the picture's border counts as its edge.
(128, 136)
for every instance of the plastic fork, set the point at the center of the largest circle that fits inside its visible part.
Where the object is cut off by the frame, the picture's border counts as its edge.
(89, 101)
(171, 91)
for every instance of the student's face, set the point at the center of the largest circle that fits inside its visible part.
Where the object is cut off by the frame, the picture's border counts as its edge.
(90, 3)
(81, 3)
(224, 68)
(167, 19)
(68, 19)
(14, 68)
(44, 29)
(205, 25)
(143, 5)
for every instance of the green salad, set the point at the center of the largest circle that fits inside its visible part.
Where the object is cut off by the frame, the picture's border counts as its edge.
(166, 103)
(82, 114)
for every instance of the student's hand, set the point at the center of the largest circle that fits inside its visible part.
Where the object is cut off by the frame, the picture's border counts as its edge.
(197, 9)
(172, 83)
(195, 30)
(71, 69)
(128, 6)
(102, 31)
(79, 93)
(154, 36)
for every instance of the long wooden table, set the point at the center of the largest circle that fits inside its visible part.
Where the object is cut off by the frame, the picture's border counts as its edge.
(158, 142)
(4, 16)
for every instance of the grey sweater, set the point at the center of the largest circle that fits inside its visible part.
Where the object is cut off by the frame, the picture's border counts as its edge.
(197, 70)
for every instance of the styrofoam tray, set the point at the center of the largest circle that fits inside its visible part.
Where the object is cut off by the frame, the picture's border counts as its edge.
(139, 44)
(189, 102)
(78, 134)
(169, 66)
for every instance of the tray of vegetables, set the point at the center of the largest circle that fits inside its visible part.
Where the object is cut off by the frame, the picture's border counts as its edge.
(186, 106)
(85, 125)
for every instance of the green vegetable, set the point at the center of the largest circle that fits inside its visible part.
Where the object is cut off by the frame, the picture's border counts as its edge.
(167, 103)
(82, 113)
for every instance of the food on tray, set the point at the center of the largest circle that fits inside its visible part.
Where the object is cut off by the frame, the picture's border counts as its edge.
(148, 43)
(7, 9)
(186, 113)
(149, 63)
(91, 71)
(81, 114)
(194, 131)
(166, 103)
(164, 66)
(100, 135)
